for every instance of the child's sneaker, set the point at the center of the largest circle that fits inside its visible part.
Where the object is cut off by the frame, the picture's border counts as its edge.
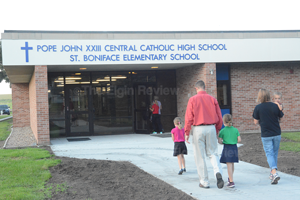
(180, 172)
(271, 176)
(231, 185)
(275, 179)
(161, 133)
(184, 170)
(154, 133)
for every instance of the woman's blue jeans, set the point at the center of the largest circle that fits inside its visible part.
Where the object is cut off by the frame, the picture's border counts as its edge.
(271, 147)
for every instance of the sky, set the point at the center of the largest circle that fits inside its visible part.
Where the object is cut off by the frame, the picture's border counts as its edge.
(142, 15)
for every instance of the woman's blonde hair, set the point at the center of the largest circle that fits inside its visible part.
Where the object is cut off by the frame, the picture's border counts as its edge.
(178, 122)
(227, 120)
(263, 96)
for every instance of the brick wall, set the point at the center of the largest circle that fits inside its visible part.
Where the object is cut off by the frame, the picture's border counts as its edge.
(42, 104)
(186, 79)
(247, 79)
(32, 103)
(20, 104)
(39, 112)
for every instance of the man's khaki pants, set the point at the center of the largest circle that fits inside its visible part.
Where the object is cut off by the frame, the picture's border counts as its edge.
(205, 144)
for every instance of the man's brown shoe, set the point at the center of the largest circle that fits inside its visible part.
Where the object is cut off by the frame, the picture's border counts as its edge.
(202, 186)
(220, 182)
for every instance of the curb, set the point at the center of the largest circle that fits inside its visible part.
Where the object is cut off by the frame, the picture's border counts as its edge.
(5, 118)
(8, 138)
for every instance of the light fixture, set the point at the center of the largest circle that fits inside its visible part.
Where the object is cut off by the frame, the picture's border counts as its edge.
(119, 77)
(77, 73)
(106, 79)
(58, 81)
(102, 80)
(73, 78)
(154, 67)
(211, 71)
(82, 68)
(49, 91)
(87, 82)
(72, 82)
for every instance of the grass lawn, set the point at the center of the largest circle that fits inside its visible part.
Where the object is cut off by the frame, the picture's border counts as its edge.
(5, 129)
(291, 146)
(4, 116)
(295, 136)
(24, 173)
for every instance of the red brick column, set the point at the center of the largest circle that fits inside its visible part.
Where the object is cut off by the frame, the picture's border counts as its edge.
(210, 78)
(39, 111)
(32, 103)
(20, 104)
(186, 79)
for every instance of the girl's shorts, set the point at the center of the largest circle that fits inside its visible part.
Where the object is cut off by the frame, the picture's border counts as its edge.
(229, 154)
(179, 148)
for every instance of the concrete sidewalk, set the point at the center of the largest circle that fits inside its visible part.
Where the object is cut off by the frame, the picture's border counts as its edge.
(154, 155)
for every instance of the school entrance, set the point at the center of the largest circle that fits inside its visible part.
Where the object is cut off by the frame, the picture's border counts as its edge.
(102, 103)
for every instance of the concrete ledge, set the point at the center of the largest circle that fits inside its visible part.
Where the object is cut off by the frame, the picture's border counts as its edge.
(6, 118)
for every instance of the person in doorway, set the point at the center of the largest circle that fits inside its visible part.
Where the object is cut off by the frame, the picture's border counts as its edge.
(229, 136)
(266, 114)
(155, 118)
(159, 111)
(179, 144)
(74, 117)
(204, 114)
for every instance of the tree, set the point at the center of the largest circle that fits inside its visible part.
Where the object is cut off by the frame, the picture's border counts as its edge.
(3, 75)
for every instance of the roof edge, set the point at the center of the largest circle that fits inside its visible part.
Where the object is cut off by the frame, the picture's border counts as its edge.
(141, 32)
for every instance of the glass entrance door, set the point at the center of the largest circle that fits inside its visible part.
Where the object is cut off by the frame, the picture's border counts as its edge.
(78, 110)
(143, 97)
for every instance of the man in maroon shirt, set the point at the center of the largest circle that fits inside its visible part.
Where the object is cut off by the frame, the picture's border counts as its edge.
(204, 114)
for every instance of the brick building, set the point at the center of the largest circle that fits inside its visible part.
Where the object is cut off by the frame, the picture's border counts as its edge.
(67, 84)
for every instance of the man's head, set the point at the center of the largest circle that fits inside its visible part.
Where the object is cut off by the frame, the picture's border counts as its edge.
(200, 86)
(156, 98)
